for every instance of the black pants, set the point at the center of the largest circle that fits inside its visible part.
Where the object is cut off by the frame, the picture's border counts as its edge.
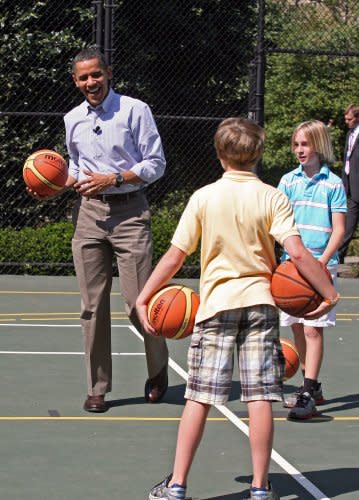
(350, 227)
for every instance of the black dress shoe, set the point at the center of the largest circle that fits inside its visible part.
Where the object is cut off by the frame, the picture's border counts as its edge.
(156, 387)
(95, 404)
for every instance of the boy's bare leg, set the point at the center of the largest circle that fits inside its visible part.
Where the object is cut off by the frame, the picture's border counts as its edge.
(300, 343)
(261, 431)
(314, 355)
(190, 432)
(309, 342)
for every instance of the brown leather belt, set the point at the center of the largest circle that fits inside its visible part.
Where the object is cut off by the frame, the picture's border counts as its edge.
(107, 198)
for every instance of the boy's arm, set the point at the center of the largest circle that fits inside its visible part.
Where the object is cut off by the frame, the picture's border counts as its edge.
(338, 224)
(313, 271)
(166, 268)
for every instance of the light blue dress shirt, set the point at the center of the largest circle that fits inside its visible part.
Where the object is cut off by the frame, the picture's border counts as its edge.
(119, 135)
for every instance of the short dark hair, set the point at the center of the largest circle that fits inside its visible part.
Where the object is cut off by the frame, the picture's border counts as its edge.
(92, 52)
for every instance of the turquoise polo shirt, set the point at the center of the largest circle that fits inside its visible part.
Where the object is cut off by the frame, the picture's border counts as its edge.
(313, 201)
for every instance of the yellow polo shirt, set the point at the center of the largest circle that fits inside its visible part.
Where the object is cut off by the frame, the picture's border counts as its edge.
(238, 218)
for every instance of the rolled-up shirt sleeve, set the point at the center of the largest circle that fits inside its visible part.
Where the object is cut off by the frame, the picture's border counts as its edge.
(147, 138)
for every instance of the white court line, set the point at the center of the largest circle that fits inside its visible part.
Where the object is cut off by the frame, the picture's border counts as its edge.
(70, 353)
(276, 457)
(77, 325)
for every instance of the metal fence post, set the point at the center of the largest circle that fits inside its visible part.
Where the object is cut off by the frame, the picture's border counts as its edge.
(260, 75)
(260, 66)
(108, 31)
(97, 25)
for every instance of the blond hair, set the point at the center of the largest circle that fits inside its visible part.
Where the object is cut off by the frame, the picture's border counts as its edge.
(239, 141)
(318, 138)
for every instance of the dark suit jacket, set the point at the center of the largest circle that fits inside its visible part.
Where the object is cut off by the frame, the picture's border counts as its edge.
(351, 181)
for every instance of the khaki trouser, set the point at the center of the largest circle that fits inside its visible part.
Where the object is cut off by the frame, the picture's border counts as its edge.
(120, 228)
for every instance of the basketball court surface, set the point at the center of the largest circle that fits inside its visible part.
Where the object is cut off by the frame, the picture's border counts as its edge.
(52, 449)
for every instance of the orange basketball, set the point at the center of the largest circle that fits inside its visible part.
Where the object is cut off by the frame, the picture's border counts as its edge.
(172, 311)
(45, 172)
(292, 293)
(291, 356)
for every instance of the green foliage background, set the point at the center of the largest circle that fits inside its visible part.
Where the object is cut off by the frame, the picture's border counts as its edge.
(298, 87)
(40, 250)
(301, 86)
(34, 53)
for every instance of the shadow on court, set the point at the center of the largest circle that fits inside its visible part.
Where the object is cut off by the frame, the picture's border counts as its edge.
(342, 482)
(174, 396)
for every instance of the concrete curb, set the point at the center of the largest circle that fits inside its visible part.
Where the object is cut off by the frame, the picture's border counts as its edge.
(350, 268)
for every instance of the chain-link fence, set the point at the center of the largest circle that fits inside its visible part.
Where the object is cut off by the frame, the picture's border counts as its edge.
(191, 65)
(312, 71)
(194, 63)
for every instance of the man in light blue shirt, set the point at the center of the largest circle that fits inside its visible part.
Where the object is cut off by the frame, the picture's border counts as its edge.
(115, 151)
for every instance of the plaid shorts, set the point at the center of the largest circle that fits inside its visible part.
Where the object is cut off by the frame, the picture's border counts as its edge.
(255, 331)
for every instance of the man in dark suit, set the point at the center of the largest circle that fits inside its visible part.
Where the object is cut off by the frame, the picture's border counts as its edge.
(350, 176)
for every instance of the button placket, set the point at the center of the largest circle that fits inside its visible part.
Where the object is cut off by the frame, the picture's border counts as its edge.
(97, 133)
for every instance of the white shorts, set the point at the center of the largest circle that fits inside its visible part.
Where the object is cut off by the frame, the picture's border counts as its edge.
(324, 321)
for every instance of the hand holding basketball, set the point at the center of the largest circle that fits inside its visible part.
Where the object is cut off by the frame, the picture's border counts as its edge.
(172, 311)
(45, 173)
(292, 293)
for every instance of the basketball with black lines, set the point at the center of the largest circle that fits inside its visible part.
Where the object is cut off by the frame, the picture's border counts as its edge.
(172, 311)
(292, 293)
(291, 357)
(45, 172)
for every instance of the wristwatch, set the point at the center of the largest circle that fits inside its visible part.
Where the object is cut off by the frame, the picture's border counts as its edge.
(119, 180)
(332, 302)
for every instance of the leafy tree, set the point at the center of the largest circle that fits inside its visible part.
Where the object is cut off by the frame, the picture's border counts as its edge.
(183, 57)
(304, 86)
(38, 40)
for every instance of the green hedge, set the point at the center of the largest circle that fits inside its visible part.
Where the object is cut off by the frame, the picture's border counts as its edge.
(47, 250)
(164, 222)
(43, 250)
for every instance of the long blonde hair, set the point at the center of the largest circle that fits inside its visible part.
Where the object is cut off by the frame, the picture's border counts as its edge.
(317, 135)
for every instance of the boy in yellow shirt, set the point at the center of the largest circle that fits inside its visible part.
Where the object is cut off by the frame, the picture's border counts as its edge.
(238, 219)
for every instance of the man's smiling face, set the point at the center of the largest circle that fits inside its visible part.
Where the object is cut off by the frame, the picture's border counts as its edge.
(92, 80)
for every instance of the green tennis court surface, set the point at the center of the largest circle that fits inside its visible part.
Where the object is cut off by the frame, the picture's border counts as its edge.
(52, 449)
